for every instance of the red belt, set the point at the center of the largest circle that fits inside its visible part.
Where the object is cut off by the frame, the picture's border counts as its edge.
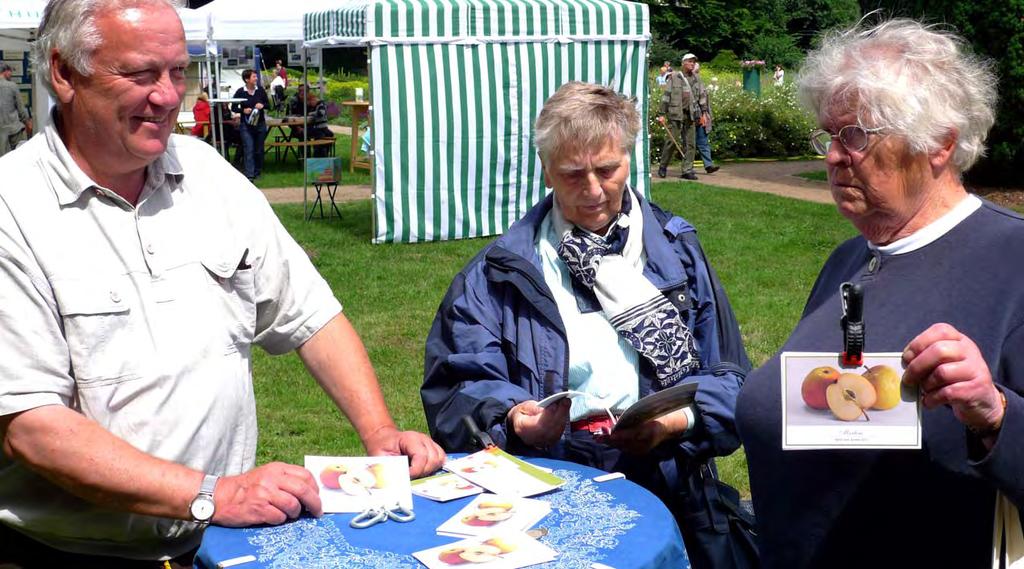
(598, 424)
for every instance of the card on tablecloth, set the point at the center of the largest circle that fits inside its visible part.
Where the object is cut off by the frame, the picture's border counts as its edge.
(503, 550)
(444, 487)
(490, 513)
(355, 483)
(502, 473)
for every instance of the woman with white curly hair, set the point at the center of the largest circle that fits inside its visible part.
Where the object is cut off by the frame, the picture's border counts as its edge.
(904, 109)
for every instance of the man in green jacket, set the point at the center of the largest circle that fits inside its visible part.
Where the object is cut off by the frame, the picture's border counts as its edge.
(680, 110)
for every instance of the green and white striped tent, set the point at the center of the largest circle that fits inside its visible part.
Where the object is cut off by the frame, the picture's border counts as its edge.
(455, 88)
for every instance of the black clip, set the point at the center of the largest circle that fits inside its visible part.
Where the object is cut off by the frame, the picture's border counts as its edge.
(482, 438)
(852, 323)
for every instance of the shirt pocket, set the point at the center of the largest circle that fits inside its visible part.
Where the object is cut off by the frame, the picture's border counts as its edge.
(232, 291)
(98, 327)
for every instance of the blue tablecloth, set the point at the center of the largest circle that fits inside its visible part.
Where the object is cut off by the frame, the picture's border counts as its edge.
(616, 523)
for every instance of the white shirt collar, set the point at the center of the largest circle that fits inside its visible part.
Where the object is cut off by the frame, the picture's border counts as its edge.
(931, 232)
(74, 181)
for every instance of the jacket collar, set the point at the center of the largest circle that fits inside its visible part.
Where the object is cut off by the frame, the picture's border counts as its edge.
(662, 267)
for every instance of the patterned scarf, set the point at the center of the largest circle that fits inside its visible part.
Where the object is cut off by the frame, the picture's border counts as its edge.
(612, 268)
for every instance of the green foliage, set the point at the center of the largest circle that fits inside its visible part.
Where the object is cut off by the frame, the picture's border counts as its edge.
(778, 31)
(726, 60)
(995, 28)
(661, 51)
(745, 126)
(778, 49)
(338, 91)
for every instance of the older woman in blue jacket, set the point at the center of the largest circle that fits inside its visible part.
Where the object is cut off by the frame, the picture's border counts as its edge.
(595, 290)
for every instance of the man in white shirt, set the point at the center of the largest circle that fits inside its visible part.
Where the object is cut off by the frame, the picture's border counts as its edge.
(137, 269)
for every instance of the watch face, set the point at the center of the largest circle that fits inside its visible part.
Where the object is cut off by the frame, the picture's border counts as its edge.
(202, 509)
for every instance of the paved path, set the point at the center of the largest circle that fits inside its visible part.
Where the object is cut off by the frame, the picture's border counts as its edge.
(773, 177)
(769, 177)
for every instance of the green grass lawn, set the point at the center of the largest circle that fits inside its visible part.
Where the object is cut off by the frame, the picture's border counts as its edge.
(766, 249)
(288, 173)
(817, 175)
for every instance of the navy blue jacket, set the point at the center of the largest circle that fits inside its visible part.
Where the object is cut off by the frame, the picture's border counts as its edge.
(497, 336)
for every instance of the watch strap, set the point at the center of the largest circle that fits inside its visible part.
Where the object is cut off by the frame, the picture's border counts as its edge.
(208, 485)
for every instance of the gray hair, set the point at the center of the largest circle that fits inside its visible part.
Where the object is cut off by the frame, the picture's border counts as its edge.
(584, 115)
(919, 82)
(69, 26)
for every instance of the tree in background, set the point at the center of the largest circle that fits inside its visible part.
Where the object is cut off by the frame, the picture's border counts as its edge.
(778, 31)
(994, 28)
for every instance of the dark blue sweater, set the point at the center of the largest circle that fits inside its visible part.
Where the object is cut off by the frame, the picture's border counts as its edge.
(898, 508)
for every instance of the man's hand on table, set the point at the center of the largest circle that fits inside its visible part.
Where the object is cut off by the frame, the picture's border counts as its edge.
(270, 494)
(644, 437)
(537, 426)
(425, 456)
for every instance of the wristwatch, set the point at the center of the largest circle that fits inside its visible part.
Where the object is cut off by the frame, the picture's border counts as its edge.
(202, 505)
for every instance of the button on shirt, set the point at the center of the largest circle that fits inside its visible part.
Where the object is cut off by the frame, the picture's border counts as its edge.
(141, 318)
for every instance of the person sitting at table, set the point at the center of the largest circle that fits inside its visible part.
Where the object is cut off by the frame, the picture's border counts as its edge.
(277, 86)
(296, 105)
(297, 108)
(596, 290)
(317, 122)
(201, 115)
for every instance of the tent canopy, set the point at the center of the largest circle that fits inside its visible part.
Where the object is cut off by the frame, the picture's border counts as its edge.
(456, 86)
(441, 21)
(257, 22)
(19, 20)
(196, 24)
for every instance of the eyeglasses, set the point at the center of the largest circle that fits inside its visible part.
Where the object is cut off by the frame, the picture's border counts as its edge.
(853, 137)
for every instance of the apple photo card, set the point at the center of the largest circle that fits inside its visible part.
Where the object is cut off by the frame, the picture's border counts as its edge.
(828, 406)
(444, 487)
(501, 550)
(502, 473)
(490, 513)
(356, 483)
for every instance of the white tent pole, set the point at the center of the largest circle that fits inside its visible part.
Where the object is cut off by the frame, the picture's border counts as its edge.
(211, 93)
(305, 128)
(373, 136)
(220, 123)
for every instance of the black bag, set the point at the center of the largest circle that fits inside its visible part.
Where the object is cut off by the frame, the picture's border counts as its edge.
(718, 532)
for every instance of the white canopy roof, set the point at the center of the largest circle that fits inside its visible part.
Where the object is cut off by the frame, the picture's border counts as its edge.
(261, 21)
(196, 24)
(18, 22)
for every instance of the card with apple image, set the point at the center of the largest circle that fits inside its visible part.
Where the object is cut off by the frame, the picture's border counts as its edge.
(488, 513)
(444, 487)
(826, 405)
(501, 550)
(501, 473)
(355, 483)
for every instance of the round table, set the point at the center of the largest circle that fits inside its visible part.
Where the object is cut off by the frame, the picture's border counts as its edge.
(614, 524)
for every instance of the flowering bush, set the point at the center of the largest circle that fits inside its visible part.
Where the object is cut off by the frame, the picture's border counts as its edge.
(745, 126)
(751, 63)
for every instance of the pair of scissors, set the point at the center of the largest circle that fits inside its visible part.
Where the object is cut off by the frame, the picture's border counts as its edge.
(378, 514)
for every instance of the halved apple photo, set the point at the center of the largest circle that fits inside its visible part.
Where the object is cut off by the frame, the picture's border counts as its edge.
(474, 553)
(330, 474)
(850, 396)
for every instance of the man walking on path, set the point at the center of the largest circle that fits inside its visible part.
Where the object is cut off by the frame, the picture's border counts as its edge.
(703, 126)
(680, 109)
